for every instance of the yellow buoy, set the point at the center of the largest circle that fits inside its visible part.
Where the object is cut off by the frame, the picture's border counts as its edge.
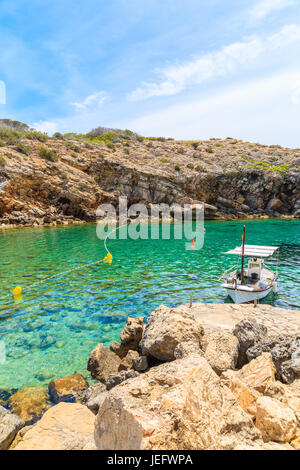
(17, 291)
(109, 256)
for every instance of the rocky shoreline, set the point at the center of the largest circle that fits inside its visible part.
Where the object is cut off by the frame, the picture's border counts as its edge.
(213, 376)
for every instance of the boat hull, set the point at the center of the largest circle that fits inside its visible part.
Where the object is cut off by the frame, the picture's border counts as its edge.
(241, 297)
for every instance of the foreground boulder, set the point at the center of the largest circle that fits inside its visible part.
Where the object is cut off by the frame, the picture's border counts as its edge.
(221, 350)
(10, 424)
(166, 329)
(66, 388)
(102, 363)
(30, 403)
(177, 405)
(276, 421)
(248, 333)
(66, 426)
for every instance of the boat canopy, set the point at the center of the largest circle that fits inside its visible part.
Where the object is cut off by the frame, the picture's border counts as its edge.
(258, 251)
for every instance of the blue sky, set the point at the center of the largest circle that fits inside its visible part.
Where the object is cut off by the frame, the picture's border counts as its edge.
(185, 69)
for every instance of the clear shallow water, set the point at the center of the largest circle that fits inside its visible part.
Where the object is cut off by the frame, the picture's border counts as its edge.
(52, 330)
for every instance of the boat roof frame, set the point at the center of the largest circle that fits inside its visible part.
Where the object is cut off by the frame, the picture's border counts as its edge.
(258, 251)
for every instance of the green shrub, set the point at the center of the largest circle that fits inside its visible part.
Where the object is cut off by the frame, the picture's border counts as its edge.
(177, 167)
(195, 145)
(163, 160)
(22, 148)
(2, 160)
(218, 145)
(36, 135)
(58, 135)
(48, 154)
(209, 150)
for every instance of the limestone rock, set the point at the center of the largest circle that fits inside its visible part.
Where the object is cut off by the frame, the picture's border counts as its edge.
(265, 446)
(132, 332)
(116, 379)
(275, 421)
(176, 405)
(292, 398)
(90, 393)
(185, 349)
(29, 403)
(96, 401)
(248, 332)
(120, 349)
(167, 328)
(66, 426)
(275, 204)
(66, 388)
(127, 361)
(140, 364)
(102, 363)
(295, 362)
(258, 373)
(20, 436)
(9, 426)
(221, 351)
(282, 348)
(245, 395)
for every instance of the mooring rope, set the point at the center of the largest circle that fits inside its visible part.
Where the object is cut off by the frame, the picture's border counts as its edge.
(68, 271)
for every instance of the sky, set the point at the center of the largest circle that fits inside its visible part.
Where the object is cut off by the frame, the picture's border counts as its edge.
(188, 69)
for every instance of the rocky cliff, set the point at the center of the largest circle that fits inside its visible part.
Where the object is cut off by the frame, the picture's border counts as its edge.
(63, 179)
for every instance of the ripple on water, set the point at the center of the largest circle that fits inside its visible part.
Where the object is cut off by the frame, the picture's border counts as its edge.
(53, 329)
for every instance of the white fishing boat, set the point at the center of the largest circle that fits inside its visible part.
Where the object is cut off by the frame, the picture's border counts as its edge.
(254, 282)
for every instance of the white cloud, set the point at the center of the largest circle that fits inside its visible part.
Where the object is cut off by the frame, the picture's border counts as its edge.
(260, 110)
(265, 7)
(46, 126)
(220, 63)
(91, 102)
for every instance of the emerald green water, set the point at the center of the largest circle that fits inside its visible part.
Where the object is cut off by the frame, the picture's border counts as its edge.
(51, 331)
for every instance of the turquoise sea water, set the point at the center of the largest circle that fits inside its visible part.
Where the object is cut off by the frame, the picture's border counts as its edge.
(51, 331)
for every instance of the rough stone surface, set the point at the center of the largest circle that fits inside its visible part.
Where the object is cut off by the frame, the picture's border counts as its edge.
(90, 393)
(291, 398)
(140, 364)
(120, 349)
(282, 349)
(167, 328)
(102, 363)
(29, 403)
(177, 405)
(248, 332)
(245, 395)
(116, 379)
(66, 426)
(258, 373)
(221, 350)
(278, 321)
(9, 426)
(275, 421)
(66, 388)
(132, 332)
(96, 401)
(20, 436)
(127, 361)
